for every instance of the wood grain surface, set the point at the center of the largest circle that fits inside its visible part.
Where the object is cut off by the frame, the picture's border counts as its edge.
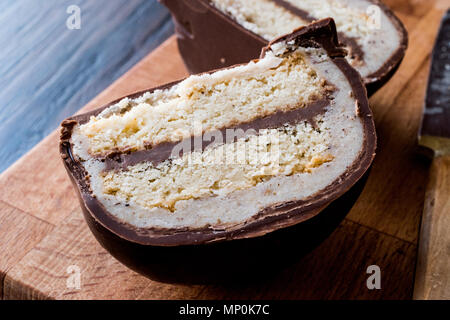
(432, 278)
(48, 72)
(39, 202)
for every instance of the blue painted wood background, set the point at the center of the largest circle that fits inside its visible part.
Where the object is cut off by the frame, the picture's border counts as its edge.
(48, 72)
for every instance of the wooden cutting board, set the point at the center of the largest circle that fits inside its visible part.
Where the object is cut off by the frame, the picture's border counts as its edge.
(43, 238)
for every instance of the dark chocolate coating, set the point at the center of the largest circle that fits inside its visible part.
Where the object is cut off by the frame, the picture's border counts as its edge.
(179, 254)
(209, 39)
(237, 261)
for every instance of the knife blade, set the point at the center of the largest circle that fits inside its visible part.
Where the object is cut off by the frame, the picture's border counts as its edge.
(435, 130)
(433, 262)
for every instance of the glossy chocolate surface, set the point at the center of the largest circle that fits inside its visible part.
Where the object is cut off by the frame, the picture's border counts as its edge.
(209, 39)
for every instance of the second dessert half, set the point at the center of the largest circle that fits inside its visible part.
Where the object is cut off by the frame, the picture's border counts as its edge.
(217, 33)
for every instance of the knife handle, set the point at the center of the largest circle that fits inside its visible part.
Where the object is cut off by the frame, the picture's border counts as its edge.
(433, 264)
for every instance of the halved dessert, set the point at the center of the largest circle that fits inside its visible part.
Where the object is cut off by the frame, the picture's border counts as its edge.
(231, 154)
(218, 33)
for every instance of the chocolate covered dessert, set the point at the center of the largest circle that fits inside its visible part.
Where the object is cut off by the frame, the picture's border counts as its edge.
(218, 33)
(229, 154)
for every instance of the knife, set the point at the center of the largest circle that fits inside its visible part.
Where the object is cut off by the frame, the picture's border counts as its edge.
(433, 264)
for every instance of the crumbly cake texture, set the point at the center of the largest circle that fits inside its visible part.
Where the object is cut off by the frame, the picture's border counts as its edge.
(212, 101)
(359, 20)
(224, 169)
(239, 178)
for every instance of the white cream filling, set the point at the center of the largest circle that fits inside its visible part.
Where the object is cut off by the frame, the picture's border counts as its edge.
(358, 19)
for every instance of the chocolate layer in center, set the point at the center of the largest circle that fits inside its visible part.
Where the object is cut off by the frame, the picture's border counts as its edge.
(161, 152)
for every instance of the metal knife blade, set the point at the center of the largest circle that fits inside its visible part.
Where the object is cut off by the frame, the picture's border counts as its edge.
(435, 130)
